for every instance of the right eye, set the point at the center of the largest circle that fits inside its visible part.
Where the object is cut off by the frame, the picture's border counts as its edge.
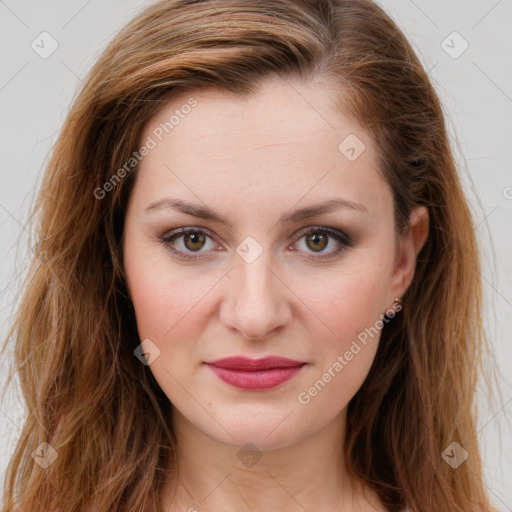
(194, 240)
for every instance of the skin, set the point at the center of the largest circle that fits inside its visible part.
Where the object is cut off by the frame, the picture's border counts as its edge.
(252, 160)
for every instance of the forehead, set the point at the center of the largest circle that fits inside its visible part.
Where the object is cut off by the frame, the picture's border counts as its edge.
(280, 142)
(281, 111)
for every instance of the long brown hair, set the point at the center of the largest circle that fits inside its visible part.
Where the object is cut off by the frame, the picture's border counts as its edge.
(86, 393)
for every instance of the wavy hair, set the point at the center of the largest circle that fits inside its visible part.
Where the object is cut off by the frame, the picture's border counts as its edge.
(74, 332)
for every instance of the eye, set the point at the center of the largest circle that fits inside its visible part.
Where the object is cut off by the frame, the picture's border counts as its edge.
(194, 239)
(318, 238)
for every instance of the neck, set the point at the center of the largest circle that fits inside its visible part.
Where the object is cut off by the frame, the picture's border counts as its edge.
(306, 475)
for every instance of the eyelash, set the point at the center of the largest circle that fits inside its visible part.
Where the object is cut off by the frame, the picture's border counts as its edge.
(344, 240)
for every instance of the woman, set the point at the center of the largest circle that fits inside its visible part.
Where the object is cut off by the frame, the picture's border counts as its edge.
(255, 283)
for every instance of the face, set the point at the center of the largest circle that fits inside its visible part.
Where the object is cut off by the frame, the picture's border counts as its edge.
(255, 280)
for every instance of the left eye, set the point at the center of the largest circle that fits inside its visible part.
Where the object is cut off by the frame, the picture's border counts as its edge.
(194, 239)
(318, 239)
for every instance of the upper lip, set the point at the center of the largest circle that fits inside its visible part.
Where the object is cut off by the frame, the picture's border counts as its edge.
(244, 363)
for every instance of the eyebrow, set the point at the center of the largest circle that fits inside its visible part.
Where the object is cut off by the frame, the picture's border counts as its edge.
(203, 212)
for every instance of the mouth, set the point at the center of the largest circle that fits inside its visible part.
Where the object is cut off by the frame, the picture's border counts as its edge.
(255, 374)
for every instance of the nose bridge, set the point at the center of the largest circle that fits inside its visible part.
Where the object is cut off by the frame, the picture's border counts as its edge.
(256, 303)
(255, 278)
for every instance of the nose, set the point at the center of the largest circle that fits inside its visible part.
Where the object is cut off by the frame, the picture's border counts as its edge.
(256, 300)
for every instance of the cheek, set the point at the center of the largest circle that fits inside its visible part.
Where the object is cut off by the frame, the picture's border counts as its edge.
(349, 305)
(147, 284)
(167, 306)
(347, 301)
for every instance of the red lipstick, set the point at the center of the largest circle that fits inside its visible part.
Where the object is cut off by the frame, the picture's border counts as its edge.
(255, 374)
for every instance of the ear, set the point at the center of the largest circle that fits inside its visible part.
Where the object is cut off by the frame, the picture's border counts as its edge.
(411, 242)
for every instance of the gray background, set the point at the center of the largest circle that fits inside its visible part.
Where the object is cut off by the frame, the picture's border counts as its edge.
(475, 88)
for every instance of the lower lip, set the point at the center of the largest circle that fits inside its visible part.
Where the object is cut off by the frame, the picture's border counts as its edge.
(256, 380)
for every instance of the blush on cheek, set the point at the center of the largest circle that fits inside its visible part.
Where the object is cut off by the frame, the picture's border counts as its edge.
(167, 309)
(351, 306)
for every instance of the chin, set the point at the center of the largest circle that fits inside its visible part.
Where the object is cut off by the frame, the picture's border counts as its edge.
(266, 432)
